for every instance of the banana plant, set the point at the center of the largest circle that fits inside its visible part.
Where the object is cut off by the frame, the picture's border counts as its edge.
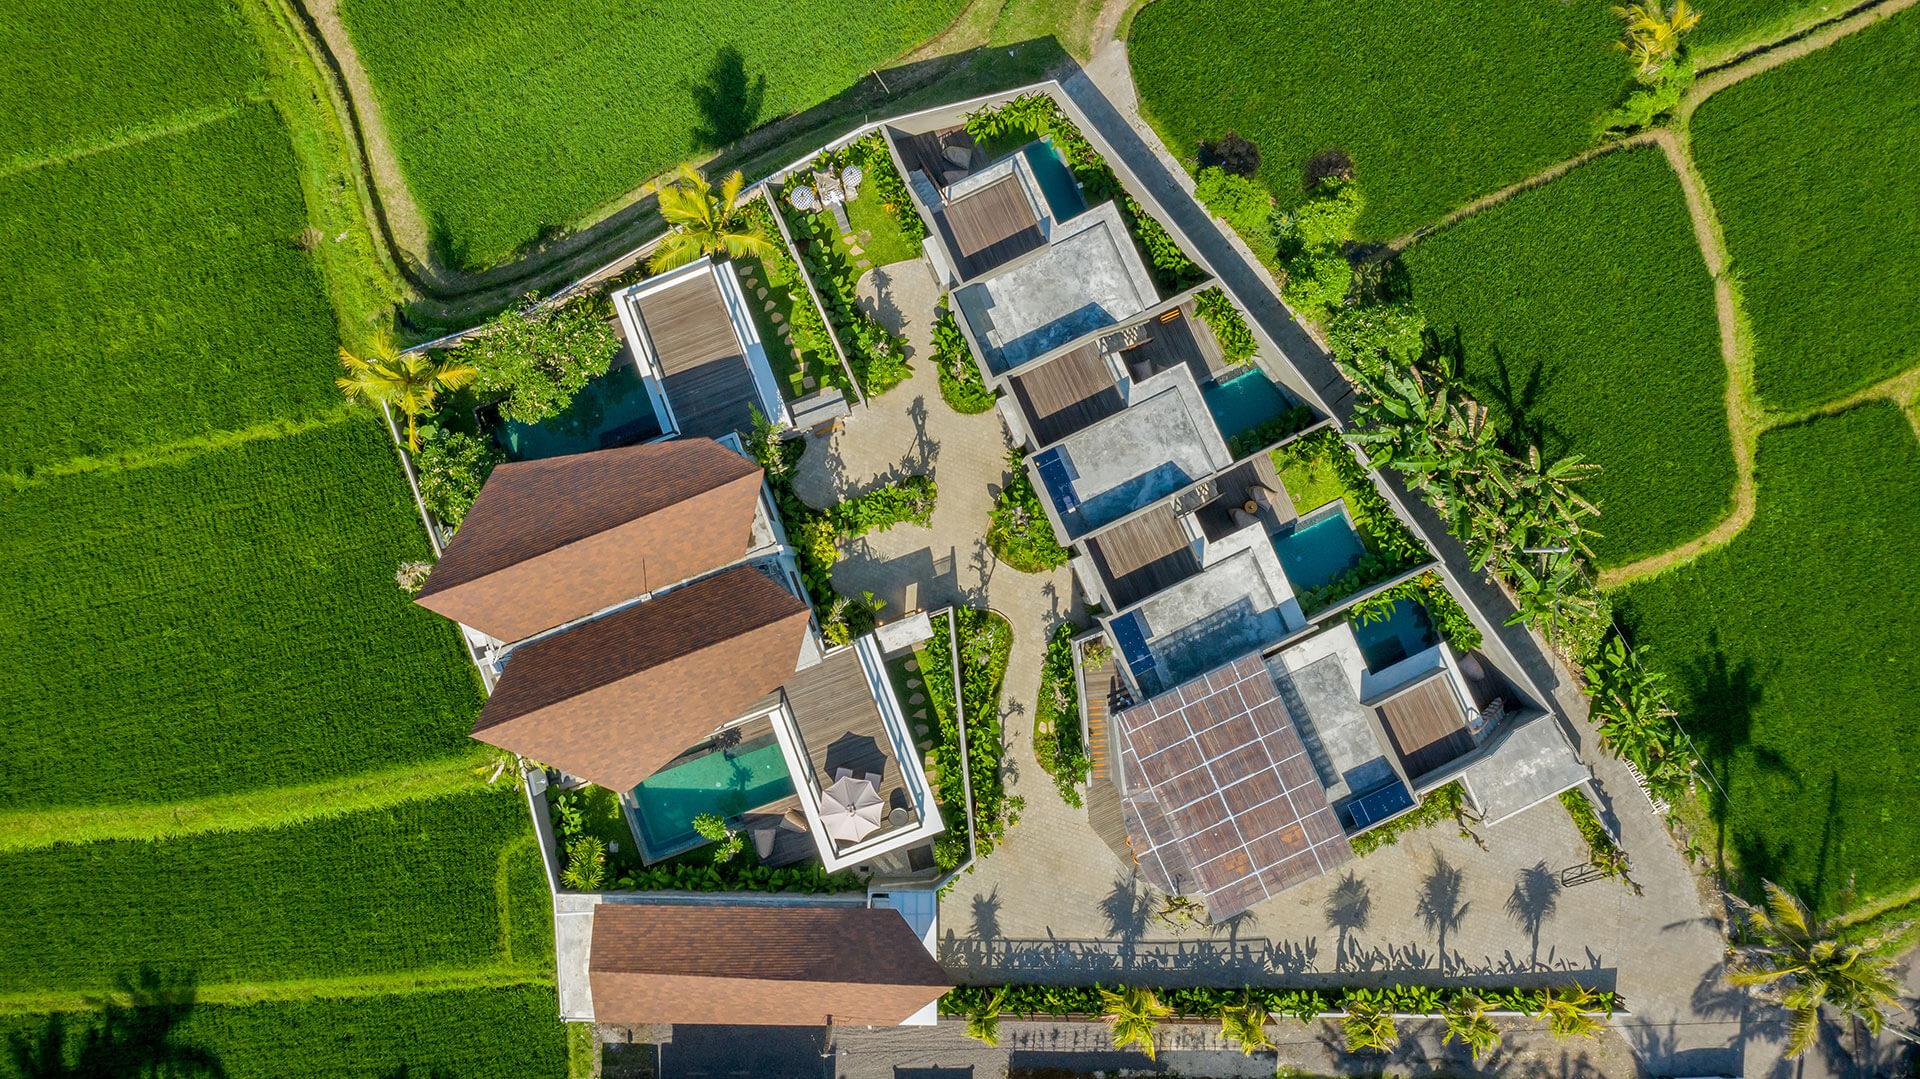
(1468, 1024)
(1245, 1025)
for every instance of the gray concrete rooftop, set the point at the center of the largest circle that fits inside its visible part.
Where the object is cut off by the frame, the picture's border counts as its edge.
(1316, 680)
(1228, 609)
(1088, 277)
(1532, 764)
(1155, 446)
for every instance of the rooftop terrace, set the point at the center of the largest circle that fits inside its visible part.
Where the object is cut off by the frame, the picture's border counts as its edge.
(690, 329)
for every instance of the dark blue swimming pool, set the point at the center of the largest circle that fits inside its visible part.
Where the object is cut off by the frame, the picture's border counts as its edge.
(1056, 180)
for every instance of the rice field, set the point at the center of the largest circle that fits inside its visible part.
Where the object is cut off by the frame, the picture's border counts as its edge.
(1584, 314)
(470, 1033)
(1434, 111)
(415, 888)
(511, 125)
(1795, 651)
(1812, 170)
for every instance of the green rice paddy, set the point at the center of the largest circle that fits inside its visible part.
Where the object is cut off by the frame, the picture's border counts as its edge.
(1584, 314)
(1434, 110)
(1795, 651)
(1812, 170)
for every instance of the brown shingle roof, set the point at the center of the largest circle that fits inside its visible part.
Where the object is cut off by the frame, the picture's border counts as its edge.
(616, 698)
(765, 966)
(554, 540)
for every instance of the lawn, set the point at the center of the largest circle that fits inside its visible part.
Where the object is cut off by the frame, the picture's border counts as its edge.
(227, 623)
(1434, 110)
(506, 1033)
(1585, 315)
(160, 293)
(394, 892)
(1812, 169)
(1796, 654)
(510, 124)
(79, 75)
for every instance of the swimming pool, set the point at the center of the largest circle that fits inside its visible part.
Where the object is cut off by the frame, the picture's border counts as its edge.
(724, 782)
(1404, 632)
(611, 410)
(1056, 180)
(1245, 401)
(1322, 546)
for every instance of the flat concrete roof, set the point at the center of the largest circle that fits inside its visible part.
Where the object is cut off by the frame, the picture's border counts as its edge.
(1135, 457)
(1532, 764)
(1230, 608)
(1089, 277)
(1319, 681)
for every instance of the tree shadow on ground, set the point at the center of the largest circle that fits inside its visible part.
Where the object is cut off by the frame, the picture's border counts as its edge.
(132, 1032)
(1127, 908)
(1536, 895)
(1348, 909)
(986, 914)
(729, 101)
(1440, 905)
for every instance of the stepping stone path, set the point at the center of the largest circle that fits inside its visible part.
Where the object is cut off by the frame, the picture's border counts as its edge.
(855, 249)
(776, 316)
(913, 683)
(917, 699)
(760, 292)
(807, 383)
(781, 329)
(769, 306)
(922, 730)
(913, 665)
(863, 263)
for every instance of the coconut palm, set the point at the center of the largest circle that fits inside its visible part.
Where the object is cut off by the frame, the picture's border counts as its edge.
(408, 381)
(1468, 1024)
(1133, 1013)
(983, 1022)
(1803, 964)
(1653, 35)
(705, 223)
(1570, 1012)
(1246, 1025)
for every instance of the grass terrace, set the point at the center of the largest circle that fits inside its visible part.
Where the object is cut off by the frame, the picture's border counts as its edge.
(1582, 316)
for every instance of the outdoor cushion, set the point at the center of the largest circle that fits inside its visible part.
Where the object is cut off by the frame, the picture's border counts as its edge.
(958, 155)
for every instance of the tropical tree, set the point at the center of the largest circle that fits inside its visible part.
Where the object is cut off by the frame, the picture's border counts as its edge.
(983, 1022)
(1468, 1024)
(408, 381)
(705, 223)
(1653, 34)
(1636, 721)
(1369, 1022)
(1246, 1025)
(586, 864)
(1133, 1013)
(1802, 964)
(1570, 1012)
(1551, 598)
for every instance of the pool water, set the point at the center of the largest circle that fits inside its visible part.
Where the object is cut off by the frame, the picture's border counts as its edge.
(1056, 180)
(1405, 632)
(1322, 546)
(611, 410)
(724, 782)
(1244, 402)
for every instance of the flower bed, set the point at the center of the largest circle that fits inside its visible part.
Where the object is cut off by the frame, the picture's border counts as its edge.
(986, 640)
(1056, 726)
(1018, 531)
(960, 383)
(1205, 1002)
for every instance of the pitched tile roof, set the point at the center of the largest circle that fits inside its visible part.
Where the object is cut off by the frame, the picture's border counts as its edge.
(1222, 798)
(616, 698)
(764, 966)
(553, 540)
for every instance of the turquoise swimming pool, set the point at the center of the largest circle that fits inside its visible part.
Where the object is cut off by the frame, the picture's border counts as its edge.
(611, 410)
(1056, 180)
(1322, 546)
(724, 782)
(1244, 402)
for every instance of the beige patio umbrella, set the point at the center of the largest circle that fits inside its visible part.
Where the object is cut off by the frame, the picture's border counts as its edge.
(850, 809)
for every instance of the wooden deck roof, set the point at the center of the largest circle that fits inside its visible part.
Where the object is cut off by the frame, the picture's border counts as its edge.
(991, 226)
(1426, 725)
(707, 380)
(1067, 393)
(1142, 555)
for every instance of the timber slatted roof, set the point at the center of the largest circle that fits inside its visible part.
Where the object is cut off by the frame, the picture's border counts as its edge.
(1222, 798)
(1070, 392)
(708, 383)
(1142, 555)
(752, 965)
(553, 540)
(616, 698)
(991, 226)
(1427, 725)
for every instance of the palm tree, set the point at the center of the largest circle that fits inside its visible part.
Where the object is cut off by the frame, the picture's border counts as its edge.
(408, 381)
(1569, 1011)
(703, 223)
(1246, 1024)
(1801, 963)
(1653, 35)
(1132, 1012)
(1467, 1023)
(983, 1022)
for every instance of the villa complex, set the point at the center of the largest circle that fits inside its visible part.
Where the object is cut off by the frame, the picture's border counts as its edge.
(643, 625)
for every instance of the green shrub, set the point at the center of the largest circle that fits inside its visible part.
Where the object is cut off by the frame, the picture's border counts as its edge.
(1172, 270)
(1326, 216)
(1266, 433)
(908, 501)
(1450, 620)
(739, 876)
(1241, 202)
(1219, 313)
(452, 467)
(1303, 1005)
(985, 643)
(960, 383)
(1602, 852)
(586, 869)
(870, 153)
(1441, 804)
(1364, 337)
(1056, 725)
(878, 356)
(1317, 283)
(1648, 103)
(539, 357)
(1018, 531)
